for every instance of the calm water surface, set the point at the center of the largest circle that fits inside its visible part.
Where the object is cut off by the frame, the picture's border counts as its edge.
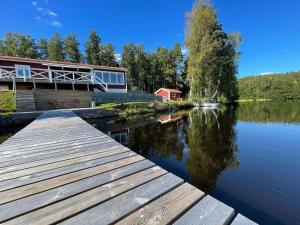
(246, 156)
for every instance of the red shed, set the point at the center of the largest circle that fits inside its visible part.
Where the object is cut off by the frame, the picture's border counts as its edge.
(169, 94)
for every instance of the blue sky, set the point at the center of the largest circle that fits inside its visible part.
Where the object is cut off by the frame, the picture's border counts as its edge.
(270, 29)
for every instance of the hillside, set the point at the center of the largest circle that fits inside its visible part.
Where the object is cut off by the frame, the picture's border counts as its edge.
(277, 87)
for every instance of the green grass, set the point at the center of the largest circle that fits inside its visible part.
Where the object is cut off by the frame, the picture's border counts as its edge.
(7, 103)
(134, 108)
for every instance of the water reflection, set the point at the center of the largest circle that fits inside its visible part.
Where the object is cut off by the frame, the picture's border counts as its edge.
(212, 144)
(266, 112)
(202, 141)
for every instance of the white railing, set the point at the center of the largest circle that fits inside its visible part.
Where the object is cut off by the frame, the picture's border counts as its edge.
(54, 76)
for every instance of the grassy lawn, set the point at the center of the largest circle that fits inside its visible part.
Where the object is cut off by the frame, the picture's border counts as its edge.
(132, 108)
(7, 103)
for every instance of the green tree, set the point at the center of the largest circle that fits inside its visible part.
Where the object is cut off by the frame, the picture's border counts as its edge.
(144, 68)
(71, 48)
(42, 48)
(107, 55)
(15, 44)
(93, 46)
(56, 48)
(212, 56)
(177, 63)
(129, 61)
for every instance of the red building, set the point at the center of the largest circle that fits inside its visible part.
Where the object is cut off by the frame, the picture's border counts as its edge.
(25, 73)
(169, 94)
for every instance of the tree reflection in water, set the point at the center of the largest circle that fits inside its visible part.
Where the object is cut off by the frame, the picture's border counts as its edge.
(212, 144)
(201, 143)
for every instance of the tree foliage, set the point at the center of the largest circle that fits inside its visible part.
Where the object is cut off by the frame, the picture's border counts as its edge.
(71, 48)
(15, 44)
(213, 55)
(151, 71)
(56, 48)
(277, 87)
(93, 48)
(43, 48)
(107, 55)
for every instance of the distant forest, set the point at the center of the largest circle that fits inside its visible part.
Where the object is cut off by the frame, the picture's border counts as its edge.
(147, 71)
(276, 87)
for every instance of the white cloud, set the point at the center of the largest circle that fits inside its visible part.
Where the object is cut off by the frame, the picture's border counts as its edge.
(266, 73)
(118, 57)
(47, 15)
(51, 13)
(55, 23)
(184, 51)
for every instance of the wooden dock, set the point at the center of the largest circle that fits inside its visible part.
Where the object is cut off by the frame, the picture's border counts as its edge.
(61, 170)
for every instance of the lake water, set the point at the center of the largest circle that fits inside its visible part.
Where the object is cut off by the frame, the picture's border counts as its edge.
(246, 156)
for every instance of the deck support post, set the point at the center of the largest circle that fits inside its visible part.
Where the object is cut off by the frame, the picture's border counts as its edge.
(88, 87)
(73, 86)
(34, 84)
(55, 85)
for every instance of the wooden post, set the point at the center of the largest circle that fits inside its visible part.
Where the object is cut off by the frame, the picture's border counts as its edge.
(73, 86)
(49, 74)
(34, 85)
(88, 87)
(55, 84)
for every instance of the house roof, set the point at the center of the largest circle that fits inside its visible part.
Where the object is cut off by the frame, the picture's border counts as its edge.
(170, 90)
(62, 64)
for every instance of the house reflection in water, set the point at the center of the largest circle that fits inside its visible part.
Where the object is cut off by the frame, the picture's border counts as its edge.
(120, 136)
(169, 118)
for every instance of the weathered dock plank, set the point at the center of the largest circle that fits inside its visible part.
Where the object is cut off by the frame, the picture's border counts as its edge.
(207, 211)
(60, 169)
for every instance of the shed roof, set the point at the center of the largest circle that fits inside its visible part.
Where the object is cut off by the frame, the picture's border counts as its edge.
(170, 90)
(61, 64)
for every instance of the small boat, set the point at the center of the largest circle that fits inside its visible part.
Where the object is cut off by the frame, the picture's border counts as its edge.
(207, 105)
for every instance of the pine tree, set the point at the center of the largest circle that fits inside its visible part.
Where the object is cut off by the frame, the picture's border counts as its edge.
(43, 48)
(107, 56)
(56, 48)
(93, 48)
(129, 61)
(71, 49)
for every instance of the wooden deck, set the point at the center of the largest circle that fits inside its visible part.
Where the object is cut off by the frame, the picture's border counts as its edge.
(61, 170)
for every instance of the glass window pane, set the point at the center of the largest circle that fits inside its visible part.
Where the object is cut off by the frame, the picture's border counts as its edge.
(113, 78)
(27, 72)
(99, 75)
(120, 78)
(19, 72)
(106, 77)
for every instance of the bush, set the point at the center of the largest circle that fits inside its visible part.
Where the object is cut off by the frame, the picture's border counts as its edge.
(7, 102)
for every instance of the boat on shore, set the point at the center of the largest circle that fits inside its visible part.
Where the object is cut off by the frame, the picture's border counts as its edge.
(206, 105)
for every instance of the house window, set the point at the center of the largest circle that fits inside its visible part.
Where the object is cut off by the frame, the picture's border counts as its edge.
(23, 71)
(99, 75)
(113, 78)
(174, 95)
(110, 77)
(106, 78)
(120, 77)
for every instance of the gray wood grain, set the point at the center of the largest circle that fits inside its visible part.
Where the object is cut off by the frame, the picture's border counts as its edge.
(242, 220)
(120, 206)
(32, 178)
(71, 206)
(31, 189)
(21, 206)
(165, 209)
(207, 211)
